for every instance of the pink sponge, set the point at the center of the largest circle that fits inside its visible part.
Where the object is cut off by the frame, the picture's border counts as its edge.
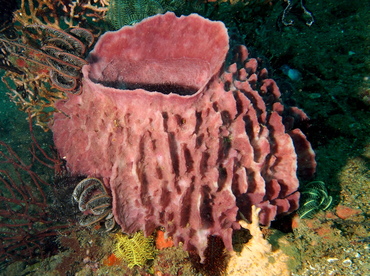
(180, 142)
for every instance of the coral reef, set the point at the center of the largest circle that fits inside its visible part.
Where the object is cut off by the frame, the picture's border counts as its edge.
(183, 149)
(81, 249)
(331, 242)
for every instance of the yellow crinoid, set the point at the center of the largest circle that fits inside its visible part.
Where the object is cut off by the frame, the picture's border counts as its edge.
(135, 250)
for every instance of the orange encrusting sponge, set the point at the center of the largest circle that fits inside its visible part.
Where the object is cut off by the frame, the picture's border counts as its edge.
(162, 242)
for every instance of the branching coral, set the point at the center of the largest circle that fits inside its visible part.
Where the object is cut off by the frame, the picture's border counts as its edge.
(32, 92)
(61, 14)
(41, 71)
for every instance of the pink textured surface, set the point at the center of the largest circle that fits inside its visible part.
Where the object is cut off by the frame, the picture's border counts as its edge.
(188, 162)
